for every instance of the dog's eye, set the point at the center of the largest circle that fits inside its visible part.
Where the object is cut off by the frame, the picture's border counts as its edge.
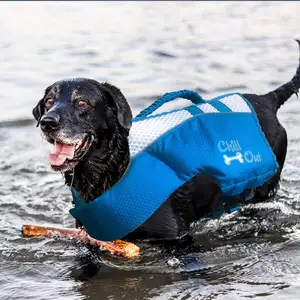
(49, 102)
(82, 103)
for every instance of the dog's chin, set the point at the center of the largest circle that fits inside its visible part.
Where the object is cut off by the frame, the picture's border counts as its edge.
(68, 165)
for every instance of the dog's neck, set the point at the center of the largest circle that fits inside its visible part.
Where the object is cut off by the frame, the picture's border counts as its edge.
(101, 169)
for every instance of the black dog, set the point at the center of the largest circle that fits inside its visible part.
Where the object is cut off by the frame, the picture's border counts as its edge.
(89, 122)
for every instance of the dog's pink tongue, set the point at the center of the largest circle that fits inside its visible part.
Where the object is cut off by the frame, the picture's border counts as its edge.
(61, 153)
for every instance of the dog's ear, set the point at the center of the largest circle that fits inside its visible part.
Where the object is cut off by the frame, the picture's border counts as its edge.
(124, 113)
(38, 111)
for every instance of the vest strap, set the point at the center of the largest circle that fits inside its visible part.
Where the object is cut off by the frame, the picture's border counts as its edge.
(194, 110)
(221, 107)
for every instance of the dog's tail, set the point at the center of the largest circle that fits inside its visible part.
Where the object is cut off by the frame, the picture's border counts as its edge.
(283, 93)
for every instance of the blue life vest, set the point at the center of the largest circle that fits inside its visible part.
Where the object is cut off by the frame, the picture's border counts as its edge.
(221, 137)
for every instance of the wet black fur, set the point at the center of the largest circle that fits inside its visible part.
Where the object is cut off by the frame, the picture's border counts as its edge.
(109, 119)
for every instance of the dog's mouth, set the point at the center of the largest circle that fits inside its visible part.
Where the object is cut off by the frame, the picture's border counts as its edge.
(66, 156)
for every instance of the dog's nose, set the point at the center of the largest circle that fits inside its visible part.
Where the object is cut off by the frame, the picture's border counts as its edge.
(50, 122)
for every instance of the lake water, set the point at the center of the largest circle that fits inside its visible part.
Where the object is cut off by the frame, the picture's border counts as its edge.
(146, 49)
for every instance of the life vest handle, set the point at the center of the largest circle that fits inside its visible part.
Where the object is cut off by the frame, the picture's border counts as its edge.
(168, 97)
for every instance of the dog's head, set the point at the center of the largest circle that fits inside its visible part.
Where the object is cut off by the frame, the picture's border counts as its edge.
(75, 113)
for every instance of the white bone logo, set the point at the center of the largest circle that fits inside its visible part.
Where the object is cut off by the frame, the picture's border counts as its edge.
(238, 156)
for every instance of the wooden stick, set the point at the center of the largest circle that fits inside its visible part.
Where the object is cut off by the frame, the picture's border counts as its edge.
(122, 248)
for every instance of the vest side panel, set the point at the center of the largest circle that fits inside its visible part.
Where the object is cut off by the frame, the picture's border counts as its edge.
(129, 203)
